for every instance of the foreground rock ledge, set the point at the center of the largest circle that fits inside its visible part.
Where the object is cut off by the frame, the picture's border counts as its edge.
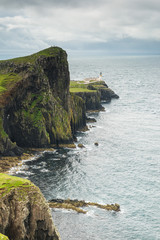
(24, 212)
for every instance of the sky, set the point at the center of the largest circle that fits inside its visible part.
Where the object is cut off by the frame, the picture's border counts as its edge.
(89, 27)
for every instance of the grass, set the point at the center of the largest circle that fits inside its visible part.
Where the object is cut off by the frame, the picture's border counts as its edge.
(81, 86)
(78, 84)
(75, 90)
(7, 81)
(52, 51)
(3, 237)
(99, 86)
(7, 183)
(97, 83)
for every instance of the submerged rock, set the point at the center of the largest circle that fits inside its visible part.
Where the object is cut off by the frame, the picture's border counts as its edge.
(80, 145)
(76, 205)
(90, 120)
(24, 212)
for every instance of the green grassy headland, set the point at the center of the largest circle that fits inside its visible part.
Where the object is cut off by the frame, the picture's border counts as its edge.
(8, 183)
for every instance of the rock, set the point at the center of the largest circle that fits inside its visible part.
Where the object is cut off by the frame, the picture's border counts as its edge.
(92, 100)
(84, 129)
(24, 212)
(76, 205)
(81, 145)
(91, 120)
(68, 145)
(96, 143)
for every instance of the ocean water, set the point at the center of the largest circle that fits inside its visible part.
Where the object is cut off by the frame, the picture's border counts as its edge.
(124, 168)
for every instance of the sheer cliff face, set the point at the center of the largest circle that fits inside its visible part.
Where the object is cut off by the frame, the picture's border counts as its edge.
(24, 213)
(35, 101)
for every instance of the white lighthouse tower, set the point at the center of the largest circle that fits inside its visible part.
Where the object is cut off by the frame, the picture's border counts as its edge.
(100, 77)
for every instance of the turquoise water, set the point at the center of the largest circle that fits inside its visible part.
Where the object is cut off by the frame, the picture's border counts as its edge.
(124, 168)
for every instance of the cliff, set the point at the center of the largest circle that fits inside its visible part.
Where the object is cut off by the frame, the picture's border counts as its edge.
(93, 93)
(24, 212)
(36, 109)
(39, 106)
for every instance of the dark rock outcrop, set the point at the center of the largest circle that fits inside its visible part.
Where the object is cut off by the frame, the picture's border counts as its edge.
(24, 212)
(93, 93)
(92, 100)
(106, 93)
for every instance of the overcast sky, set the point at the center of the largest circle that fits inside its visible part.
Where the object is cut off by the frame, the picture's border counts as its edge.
(91, 26)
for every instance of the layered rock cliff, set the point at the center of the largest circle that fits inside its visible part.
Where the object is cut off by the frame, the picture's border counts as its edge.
(36, 109)
(24, 212)
(93, 93)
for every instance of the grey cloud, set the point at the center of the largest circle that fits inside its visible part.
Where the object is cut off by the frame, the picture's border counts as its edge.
(52, 3)
(142, 5)
(79, 24)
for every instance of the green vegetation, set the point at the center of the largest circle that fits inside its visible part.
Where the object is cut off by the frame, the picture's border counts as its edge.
(61, 125)
(79, 86)
(34, 117)
(76, 111)
(3, 237)
(8, 183)
(2, 132)
(97, 83)
(7, 81)
(33, 113)
(32, 109)
(75, 90)
(52, 51)
(99, 86)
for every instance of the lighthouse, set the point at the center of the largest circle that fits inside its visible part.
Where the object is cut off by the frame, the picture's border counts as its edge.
(100, 77)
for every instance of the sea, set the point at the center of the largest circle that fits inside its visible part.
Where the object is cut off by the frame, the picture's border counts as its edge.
(125, 166)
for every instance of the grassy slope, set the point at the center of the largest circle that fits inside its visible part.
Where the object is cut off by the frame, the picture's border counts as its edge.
(8, 183)
(79, 86)
(52, 51)
(8, 80)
